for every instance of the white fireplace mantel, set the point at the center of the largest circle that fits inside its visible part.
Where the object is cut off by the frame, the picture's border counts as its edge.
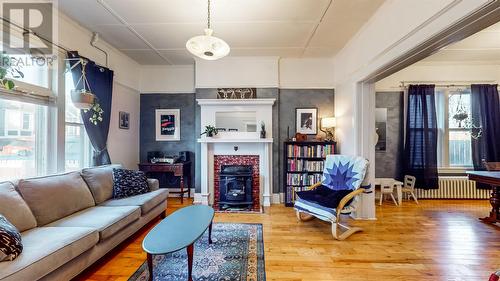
(244, 143)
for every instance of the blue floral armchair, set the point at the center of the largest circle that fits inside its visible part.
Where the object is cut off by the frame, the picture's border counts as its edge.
(328, 199)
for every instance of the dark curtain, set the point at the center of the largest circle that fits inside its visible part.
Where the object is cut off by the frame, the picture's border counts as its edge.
(101, 85)
(485, 111)
(421, 136)
(401, 140)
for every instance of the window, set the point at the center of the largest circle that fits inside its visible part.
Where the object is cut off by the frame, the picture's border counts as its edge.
(35, 70)
(78, 149)
(23, 139)
(454, 111)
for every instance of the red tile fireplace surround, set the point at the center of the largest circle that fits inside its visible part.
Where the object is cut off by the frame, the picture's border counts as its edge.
(253, 160)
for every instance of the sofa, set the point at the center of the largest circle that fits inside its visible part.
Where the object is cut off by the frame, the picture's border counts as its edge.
(68, 221)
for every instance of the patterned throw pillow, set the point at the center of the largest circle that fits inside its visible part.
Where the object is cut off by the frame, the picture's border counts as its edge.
(128, 183)
(11, 244)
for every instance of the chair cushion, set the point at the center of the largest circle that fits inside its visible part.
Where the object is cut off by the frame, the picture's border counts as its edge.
(128, 183)
(14, 208)
(324, 196)
(344, 172)
(146, 201)
(323, 213)
(106, 220)
(11, 245)
(100, 181)
(46, 249)
(54, 197)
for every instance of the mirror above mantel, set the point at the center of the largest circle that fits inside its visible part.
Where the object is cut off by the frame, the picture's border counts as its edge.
(236, 121)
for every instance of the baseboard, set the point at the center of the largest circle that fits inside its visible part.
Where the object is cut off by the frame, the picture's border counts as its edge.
(277, 198)
(197, 198)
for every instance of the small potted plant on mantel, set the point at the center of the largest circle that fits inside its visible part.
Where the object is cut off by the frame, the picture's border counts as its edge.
(210, 131)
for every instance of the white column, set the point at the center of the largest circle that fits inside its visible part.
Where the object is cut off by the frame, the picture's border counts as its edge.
(268, 174)
(205, 195)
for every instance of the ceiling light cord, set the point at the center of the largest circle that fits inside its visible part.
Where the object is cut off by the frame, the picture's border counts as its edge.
(208, 15)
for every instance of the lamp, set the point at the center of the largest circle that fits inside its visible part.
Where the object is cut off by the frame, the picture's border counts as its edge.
(328, 125)
(206, 46)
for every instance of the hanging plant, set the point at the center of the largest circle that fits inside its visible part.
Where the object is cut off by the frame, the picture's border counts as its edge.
(96, 112)
(7, 68)
(460, 113)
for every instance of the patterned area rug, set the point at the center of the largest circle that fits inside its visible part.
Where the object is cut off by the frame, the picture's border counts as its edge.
(237, 253)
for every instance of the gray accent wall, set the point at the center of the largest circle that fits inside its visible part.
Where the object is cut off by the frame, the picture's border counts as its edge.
(388, 163)
(149, 104)
(289, 100)
(283, 115)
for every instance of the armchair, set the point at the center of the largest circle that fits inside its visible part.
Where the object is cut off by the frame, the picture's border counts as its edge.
(328, 199)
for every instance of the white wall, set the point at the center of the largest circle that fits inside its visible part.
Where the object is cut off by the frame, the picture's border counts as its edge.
(441, 73)
(258, 72)
(167, 79)
(396, 27)
(306, 73)
(123, 145)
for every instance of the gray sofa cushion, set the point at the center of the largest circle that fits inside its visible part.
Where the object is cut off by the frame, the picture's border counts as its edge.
(14, 208)
(100, 181)
(46, 249)
(54, 197)
(106, 220)
(146, 201)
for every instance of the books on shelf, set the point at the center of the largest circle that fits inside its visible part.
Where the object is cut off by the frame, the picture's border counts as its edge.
(298, 165)
(309, 151)
(304, 162)
(303, 179)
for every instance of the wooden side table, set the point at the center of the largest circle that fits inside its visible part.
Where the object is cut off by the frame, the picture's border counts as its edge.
(181, 170)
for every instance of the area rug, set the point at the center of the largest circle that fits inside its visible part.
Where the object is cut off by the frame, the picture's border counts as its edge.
(237, 253)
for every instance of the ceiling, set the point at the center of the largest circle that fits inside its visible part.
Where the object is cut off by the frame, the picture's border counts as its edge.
(482, 47)
(156, 31)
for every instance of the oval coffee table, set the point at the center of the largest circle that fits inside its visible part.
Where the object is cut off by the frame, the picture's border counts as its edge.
(179, 230)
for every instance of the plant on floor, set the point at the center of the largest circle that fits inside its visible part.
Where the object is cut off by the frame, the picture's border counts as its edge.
(210, 131)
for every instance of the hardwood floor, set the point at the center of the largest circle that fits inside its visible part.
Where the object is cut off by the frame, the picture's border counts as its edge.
(436, 240)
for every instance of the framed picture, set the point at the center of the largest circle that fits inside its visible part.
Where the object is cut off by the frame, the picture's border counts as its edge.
(306, 120)
(124, 120)
(168, 126)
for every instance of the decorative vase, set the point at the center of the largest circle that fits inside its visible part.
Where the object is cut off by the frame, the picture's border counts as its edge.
(263, 134)
(210, 134)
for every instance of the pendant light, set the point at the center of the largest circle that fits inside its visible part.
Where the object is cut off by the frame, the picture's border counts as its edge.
(206, 46)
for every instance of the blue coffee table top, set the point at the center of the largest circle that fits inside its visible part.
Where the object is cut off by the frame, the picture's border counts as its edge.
(179, 230)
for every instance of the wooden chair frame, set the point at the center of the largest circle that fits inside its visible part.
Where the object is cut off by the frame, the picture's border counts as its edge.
(339, 231)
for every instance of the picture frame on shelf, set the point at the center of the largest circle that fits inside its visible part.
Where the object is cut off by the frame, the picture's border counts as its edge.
(124, 120)
(306, 120)
(167, 124)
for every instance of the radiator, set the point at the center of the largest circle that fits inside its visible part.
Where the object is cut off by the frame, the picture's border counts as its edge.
(454, 188)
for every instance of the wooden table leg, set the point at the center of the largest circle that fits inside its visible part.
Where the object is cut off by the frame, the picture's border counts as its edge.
(495, 206)
(182, 189)
(210, 233)
(150, 267)
(190, 249)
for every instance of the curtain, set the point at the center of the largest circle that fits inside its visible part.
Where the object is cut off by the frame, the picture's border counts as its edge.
(101, 84)
(485, 111)
(420, 151)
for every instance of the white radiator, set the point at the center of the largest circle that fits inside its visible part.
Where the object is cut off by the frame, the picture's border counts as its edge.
(454, 188)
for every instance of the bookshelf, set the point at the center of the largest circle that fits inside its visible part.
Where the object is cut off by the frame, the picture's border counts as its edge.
(303, 165)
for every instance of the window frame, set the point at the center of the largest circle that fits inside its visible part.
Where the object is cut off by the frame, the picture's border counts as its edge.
(444, 147)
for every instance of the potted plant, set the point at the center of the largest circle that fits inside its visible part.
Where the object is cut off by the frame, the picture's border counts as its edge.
(5, 68)
(210, 131)
(262, 130)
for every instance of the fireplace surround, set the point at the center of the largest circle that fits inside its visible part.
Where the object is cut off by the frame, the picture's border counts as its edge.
(236, 144)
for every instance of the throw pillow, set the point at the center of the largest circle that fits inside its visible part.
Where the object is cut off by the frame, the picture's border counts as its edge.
(128, 183)
(11, 244)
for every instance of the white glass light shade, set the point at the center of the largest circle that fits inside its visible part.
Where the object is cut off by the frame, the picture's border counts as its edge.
(328, 122)
(207, 46)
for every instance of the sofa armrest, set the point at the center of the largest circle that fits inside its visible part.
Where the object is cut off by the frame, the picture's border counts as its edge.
(153, 184)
